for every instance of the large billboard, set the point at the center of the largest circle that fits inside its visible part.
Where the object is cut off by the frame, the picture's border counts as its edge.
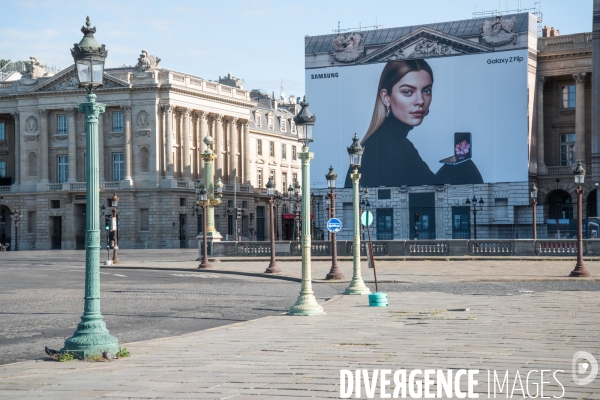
(429, 108)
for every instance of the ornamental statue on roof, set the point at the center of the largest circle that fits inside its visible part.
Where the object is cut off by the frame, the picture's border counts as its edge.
(147, 62)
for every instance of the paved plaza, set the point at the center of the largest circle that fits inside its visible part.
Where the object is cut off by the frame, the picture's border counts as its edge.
(505, 315)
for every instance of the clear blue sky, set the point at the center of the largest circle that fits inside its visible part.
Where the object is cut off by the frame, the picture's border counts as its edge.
(258, 40)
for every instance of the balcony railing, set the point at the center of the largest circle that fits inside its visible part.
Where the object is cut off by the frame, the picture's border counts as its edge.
(4, 189)
(565, 170)
(111, 185)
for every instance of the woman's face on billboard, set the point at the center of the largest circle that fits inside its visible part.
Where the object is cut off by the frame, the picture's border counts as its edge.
(410, 97)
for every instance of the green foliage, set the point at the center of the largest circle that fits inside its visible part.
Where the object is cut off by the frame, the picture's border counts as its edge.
(3, 62)
(64, 357)
(123, 352)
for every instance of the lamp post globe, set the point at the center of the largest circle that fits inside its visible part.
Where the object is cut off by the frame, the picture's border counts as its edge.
(357, 285)
(306, 304)
(580, 271)
(534, 192)
(91, 336)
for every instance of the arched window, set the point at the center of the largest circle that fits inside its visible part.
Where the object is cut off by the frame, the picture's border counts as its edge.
(559, 205)
(144, 160)
(32, 164)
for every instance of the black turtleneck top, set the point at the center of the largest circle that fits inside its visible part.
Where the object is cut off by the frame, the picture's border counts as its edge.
(390, 159)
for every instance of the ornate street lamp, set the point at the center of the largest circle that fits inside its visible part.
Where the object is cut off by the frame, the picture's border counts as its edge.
(215, 190)
(273, 268)
(306, 304)
(579, 271)
(202, 200)
(115, 203)
(475, 206)
(534, 192)
(91, 336)
(278, 202)
(357, 286)
(334, 272)
(17, 215)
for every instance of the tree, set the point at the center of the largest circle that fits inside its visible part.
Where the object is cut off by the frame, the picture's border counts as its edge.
(3, 62)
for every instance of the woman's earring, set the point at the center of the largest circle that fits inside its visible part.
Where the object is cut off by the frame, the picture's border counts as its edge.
(427, 113)
(388, 112)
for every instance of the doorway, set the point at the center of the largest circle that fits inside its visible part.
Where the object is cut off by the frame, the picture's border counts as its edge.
(4, 225)
(260, 223)
(385, 224)
(422, 215)
(79, 217)
(183, 243)
(56, 233)
(461, 223)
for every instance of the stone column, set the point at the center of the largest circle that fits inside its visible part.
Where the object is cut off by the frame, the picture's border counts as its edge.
(187, 139)
(44, 166)
(18, 155)
(246, 152)
(234, 151)
(539, 88)
(203, 118)
(219, 146)
(101, 148)
(595, 87)
(168, 113)
(580, 117)
(72, 154)
(127, 157)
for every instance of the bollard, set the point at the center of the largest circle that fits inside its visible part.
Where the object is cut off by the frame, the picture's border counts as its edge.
(378, 299)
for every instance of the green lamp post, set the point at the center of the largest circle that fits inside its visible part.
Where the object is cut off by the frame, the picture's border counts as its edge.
(357, 286)
(91, 336)
(306, 304)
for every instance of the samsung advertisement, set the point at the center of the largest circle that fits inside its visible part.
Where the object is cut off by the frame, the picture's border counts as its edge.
(458, 119)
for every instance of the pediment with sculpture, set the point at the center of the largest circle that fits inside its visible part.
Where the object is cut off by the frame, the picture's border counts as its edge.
(424, 42)
(67, 80)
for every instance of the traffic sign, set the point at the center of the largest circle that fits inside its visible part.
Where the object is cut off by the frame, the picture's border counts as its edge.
(334, 225)
(366, 218)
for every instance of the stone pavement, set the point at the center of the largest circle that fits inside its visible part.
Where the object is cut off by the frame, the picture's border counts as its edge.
(298, 357)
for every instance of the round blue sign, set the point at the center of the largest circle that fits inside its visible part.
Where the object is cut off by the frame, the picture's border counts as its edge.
(334, 225)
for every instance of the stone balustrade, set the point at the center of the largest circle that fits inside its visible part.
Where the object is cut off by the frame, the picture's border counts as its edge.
(401, 248)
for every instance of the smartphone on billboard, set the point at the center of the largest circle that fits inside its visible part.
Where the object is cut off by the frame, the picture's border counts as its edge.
(463, 149)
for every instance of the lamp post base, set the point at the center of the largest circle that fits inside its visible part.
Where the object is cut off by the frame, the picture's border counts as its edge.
(205, 264)
(90, 339)
(273, 268)
(579, 272)
(357, 286)
(306, 305)
(334, 274)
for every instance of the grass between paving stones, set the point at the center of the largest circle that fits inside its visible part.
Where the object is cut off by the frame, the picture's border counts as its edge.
(65, 357)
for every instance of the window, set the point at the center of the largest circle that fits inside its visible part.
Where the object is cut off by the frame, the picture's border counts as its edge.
(54, 204)
(294, 153)
(257, 120)
(259, 147)
(347, 217)
(63, 169)
(568, 96)
(283, 123)
(384, 194)
(272, 177)
(62, 125)
(567, 149)
(283, 151)
(294, 178)
(283, 182)
(293, 127)
(32, 164)
(117, 122)
(144, 160)
(2, 168)
(2, 134)
(501, 208)
(144, 219)
(259, 177)
(182, 202)
(118, 167)
(31, 223)
(272, 149)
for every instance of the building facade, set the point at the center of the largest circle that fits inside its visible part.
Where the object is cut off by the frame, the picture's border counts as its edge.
(150, 141)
